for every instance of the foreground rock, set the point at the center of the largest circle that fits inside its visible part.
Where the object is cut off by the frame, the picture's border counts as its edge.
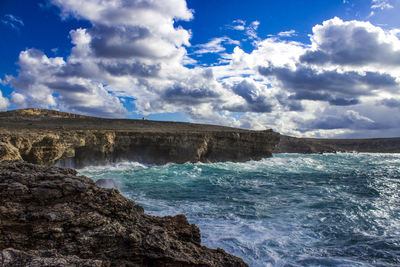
(51, 217)
(48, 137)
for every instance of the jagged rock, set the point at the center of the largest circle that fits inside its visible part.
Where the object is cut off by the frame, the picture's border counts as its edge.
(49, 216)
(8, 152)
(48, 137)
(49, 258)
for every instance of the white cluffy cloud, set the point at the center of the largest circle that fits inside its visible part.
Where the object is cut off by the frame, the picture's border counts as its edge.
(4, 103)
(129, 41)
(134, 51)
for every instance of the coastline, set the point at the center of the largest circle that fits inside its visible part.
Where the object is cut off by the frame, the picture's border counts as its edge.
(48, 138)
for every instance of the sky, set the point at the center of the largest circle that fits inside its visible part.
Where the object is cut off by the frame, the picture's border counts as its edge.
(328, 69)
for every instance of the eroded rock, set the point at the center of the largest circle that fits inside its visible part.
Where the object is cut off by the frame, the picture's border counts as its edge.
(49, 137)
(49, 216)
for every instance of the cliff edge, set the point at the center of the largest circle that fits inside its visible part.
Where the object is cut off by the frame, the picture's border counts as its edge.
(49, 137)
(49, 216)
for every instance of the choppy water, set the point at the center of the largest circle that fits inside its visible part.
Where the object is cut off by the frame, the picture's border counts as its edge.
(290, 210)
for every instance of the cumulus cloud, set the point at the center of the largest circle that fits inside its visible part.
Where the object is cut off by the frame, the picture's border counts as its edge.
(350, 119)
(193, 90)
(134, 50)
(339, 82)
(333, 86)
(4, 103)
(19, 100)
(390, 102)
(255, 99)
(128, 42)
(38, 84)
(353, 43)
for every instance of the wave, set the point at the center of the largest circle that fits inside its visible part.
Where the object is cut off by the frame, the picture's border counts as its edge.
(290, 210)
(120, 166)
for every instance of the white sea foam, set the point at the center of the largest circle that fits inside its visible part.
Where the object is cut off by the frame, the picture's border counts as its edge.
(119, 166)
(290, 210)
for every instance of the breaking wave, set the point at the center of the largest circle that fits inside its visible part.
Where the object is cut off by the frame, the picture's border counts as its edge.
(290, 210)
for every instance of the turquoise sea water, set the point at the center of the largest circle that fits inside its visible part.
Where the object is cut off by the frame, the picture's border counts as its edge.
(290, 210)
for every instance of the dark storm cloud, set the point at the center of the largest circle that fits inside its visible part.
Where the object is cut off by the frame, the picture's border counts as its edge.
(75, 70)
(391, 103)
(344, 101)
(351, 43)
(295, 106)
(24, 81)
(134, 69)
(254, 102)
(290, 103)
(120, 42)
(310, 96)
(65, 86)
(332, 86)
(180, 93)
(347, 120)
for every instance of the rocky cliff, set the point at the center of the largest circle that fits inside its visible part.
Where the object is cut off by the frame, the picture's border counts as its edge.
(290, 144)
(49, 216)
(49, 137)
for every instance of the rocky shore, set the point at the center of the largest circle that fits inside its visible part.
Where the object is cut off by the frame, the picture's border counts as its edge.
(50, 137)
(49, 216)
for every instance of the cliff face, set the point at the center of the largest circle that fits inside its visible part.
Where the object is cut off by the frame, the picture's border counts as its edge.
(51, 217)
(77, 141)
(290, 144)
(92, 147)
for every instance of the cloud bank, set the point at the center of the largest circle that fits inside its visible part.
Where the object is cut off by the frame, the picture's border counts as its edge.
(345, 82)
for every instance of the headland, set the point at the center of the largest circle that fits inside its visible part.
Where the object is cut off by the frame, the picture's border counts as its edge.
(49, 137)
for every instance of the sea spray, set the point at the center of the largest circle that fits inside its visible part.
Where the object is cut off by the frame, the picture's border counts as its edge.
(290, 210)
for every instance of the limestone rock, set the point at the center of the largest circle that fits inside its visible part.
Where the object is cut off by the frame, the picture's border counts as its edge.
(49, 216)
(50, 137)
(9, 152)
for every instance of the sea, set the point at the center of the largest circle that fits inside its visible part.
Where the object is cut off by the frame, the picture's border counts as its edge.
(290, 210)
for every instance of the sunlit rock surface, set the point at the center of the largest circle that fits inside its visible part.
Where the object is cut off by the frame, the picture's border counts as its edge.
(49, 137)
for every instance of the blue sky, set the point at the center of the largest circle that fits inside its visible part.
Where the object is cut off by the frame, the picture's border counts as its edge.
(304, 68)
